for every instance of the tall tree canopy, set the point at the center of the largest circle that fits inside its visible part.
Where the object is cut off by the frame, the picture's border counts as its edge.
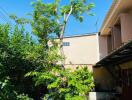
(52, 18)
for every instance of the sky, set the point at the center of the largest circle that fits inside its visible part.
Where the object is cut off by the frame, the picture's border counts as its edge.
(91, 24)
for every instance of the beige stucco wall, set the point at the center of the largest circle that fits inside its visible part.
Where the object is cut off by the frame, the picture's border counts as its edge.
(83, 50)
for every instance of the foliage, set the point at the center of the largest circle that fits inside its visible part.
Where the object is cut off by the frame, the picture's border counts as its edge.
(52, 18)
(16, 60)
(68, 84)
(7, 92)
(20, 55)
(23, 97)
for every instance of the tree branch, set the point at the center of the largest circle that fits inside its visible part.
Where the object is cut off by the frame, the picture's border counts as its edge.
(71, 9)
(64, 16)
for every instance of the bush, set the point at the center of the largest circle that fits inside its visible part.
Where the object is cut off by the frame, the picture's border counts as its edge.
(65, 84)
(7, 92)
(15, 61)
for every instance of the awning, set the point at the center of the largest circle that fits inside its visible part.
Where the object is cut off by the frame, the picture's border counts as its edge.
(118, 56)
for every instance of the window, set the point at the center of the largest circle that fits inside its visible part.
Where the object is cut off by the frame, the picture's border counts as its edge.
(66, 43)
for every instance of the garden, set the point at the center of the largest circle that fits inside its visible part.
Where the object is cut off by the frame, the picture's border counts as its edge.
(30, 68)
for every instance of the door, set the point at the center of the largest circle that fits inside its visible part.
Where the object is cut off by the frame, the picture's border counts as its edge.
(126, 75)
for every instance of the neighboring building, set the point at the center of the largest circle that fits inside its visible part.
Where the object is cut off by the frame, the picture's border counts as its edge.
(113, 73)
(81, 50)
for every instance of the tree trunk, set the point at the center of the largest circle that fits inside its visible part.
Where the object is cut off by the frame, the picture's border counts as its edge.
(66, 17)
(61, 45)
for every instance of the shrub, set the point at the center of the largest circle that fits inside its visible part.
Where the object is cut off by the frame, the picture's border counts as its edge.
(65, 84)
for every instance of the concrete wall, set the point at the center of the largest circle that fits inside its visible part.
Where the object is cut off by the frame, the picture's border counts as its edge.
(103, 79)
(126, 27)
(83, 50)
(110, 43)
(103, 48)
(127, 65)
(119, 34)
(116, 33)
(101, 96)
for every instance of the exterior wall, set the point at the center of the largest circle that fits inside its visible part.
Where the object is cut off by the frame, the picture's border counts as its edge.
(119, 34)
(127, 65)
(83, 50)
(100, 96)
(126, 27)
(109, 43)
(103, 79)
(116, 33)
(103, 48)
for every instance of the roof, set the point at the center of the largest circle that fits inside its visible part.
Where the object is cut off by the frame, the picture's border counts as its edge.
(118, 56)
(108, 15)
(117, 7)
(82, 35)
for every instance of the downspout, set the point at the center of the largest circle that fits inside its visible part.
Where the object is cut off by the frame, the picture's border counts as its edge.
(98, 51)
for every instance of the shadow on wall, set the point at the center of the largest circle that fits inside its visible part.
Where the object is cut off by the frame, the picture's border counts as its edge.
(104, 85)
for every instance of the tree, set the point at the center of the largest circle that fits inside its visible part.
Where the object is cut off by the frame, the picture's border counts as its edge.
(19, 54)
(52, 18)
(49, 19)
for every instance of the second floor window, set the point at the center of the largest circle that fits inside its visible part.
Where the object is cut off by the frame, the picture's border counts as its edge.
(66, 43)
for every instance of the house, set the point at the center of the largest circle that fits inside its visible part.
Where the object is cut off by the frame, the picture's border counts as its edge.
(81, 50)
(113, 72)
(107, 53)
